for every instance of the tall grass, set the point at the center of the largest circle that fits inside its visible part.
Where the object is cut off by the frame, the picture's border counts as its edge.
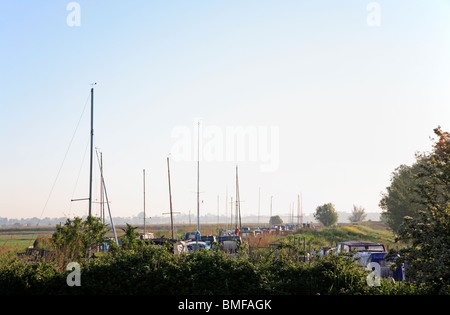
(332, 235)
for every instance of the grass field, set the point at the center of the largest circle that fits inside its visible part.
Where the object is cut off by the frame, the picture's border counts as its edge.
(364, 231)
(19, 238)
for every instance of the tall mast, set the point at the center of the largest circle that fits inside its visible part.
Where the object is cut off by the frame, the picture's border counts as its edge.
(231, 213)
(271, 198)
(238, 206)
(300, 206)
(144, 198)
(226, 209)
(170, 196)
(259, 203)
(109, 210)
(92, 150)
(198, 178)
(102, 206)
(107, 203)
(292, 213)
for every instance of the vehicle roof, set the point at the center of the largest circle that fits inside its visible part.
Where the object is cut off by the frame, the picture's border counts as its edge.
(229, 238)
(196, 242)
(356, 243)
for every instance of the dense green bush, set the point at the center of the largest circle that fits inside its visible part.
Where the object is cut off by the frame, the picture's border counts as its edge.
(153, 271)
(25, 278)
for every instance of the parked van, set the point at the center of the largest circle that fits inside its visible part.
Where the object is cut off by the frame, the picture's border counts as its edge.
(363, 249)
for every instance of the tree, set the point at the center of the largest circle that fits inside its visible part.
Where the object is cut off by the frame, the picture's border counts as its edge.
(428, 234)
(130, 238)
(326, 214)
(433, 186)
(401, 199)
(427, 257)
(75, 237)
(358, 214)
(275, 220)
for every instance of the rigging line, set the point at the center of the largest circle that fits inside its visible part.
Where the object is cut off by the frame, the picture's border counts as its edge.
(64, 159)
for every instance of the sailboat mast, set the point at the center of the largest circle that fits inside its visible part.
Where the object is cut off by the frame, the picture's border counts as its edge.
(170, 196)
(300, 208)
(271, 198)
(226, 209)
(102, 205)
(238, 200)
(144, 198)
(92, 150)
(218, 215)
(198, 179)
(259, 204)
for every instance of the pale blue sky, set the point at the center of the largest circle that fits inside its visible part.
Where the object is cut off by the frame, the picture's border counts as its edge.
(352, 102)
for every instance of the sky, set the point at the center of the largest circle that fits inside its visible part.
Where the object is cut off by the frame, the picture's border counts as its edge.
(331, 95)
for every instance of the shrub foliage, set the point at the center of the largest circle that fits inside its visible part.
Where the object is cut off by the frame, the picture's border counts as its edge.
(156, 271)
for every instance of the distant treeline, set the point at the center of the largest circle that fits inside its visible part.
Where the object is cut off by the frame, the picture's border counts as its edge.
(178, 219)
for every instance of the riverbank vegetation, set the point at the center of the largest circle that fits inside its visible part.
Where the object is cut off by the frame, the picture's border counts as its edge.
(136, 268)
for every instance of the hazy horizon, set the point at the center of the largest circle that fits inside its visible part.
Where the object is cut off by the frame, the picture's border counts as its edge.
(183, 219)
